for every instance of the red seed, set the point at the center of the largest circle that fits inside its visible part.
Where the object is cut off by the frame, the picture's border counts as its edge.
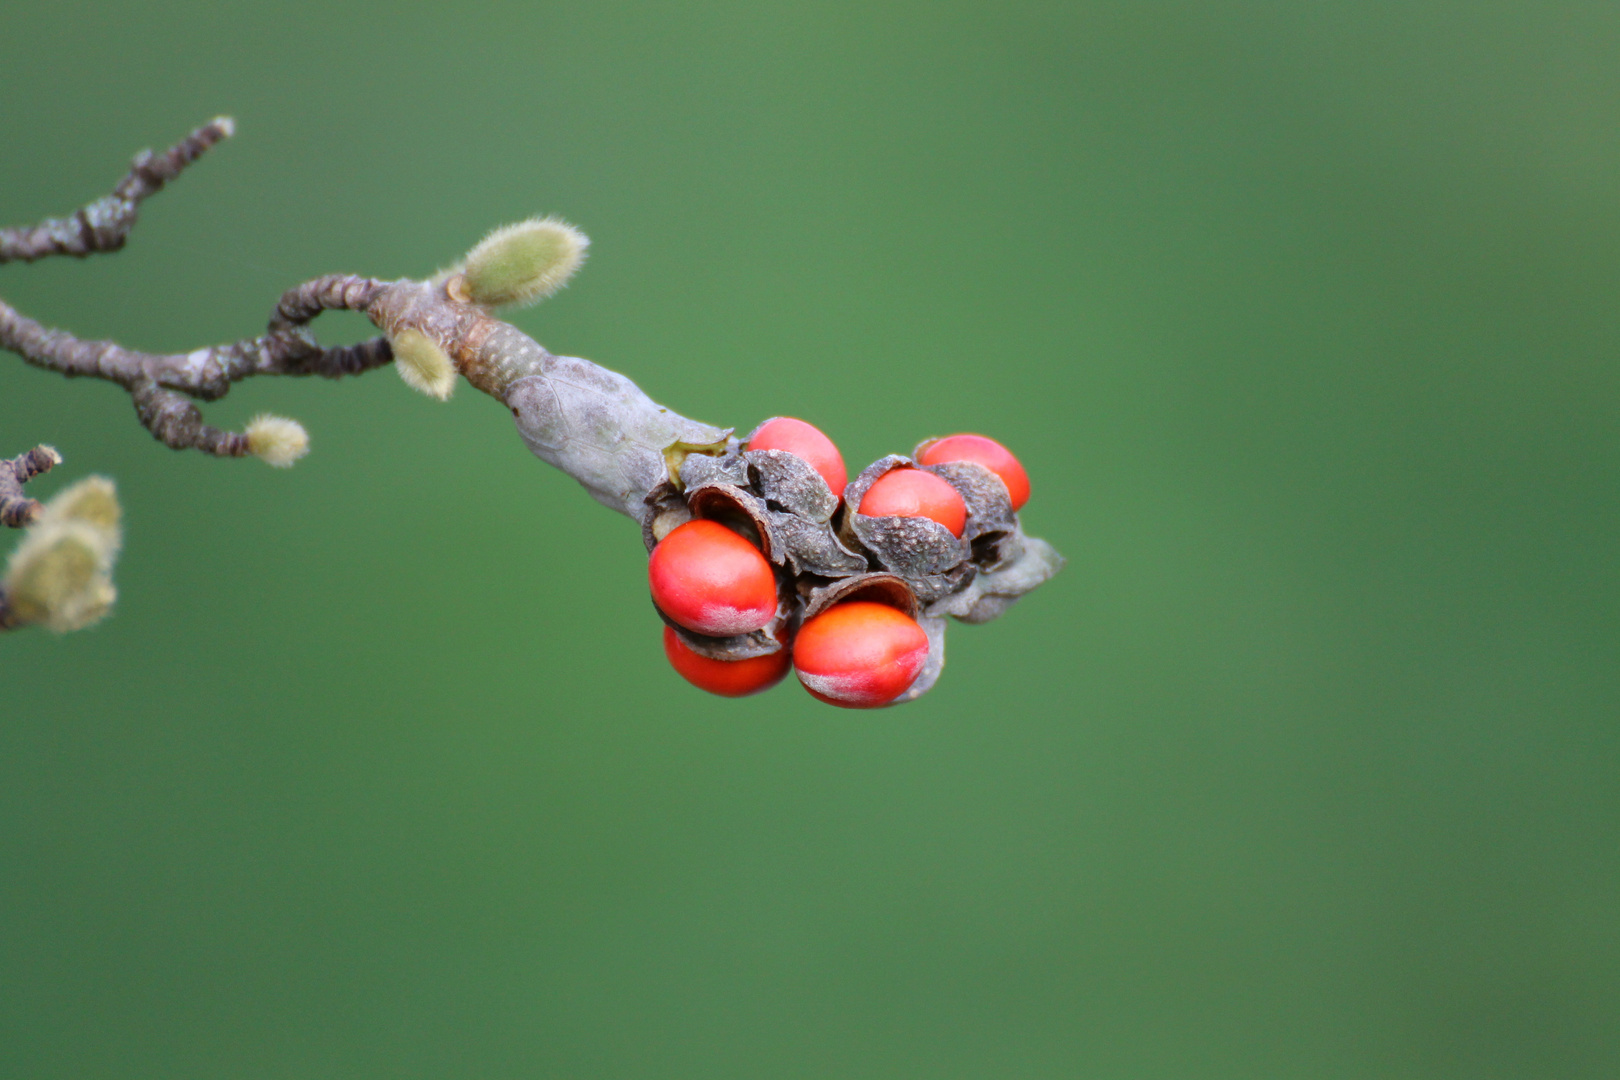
(712, 581)
(859, 655)
(728, 678)
(907, 492)
(808, 442)
(981, 450)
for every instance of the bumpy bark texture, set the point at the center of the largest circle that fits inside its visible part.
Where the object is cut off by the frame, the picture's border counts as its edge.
(16, 509)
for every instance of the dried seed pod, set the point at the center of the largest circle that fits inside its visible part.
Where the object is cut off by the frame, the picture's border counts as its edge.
(670, 473)
(806, 442)
(766, 641)
(990, 518)
(703, 470)
(880, 588)
(931, 588)
(739, 509)
(663, 510)
(811, 547)
(792, 483)
(804, 544)
(991, 593)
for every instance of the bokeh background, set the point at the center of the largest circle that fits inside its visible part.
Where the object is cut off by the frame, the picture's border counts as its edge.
(1303, 318)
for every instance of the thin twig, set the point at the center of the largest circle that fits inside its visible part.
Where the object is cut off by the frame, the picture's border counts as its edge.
(157, 381)
(16, 509)
(104, 225)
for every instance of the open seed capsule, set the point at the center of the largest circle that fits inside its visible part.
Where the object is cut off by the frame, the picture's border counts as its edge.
(808, 442)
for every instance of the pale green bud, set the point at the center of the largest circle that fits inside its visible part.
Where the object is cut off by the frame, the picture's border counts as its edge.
(93, 499)
(277, 440)
(424, 366)
(522, 263)
(58, 576)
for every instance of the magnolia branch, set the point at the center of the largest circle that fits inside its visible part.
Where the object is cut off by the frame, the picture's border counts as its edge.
(662, 469)
(160, 383)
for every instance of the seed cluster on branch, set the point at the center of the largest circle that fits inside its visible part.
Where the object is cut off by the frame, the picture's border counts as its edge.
(760, 553)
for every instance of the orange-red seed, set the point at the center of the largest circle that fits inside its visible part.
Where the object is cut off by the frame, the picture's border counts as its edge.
(728, 678)
(981, 450)
(859, 654)
(712, 581)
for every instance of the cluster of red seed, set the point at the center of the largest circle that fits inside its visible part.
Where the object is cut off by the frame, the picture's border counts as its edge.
(858, 654)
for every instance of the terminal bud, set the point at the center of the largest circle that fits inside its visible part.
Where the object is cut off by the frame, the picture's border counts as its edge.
(522, 263)
(276, 440)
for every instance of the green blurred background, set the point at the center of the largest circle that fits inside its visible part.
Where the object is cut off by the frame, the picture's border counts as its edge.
(1303, 318)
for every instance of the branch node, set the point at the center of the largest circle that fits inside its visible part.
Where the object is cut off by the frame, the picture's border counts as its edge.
(17, 510)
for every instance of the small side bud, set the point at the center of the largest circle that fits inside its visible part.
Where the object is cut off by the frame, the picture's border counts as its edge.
(58, 576)
(424, 366)
(277, 440)
(522, 263)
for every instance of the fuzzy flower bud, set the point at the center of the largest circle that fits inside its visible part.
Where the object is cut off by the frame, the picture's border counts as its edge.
(93, 500)
(424, 366)
(60, 575)
(522, 263)
(277, 440)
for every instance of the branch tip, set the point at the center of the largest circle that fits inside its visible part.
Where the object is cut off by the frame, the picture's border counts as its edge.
(524, 262)
(277, 440)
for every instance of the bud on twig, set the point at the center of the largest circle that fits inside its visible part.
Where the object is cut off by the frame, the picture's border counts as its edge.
(60, 576)
(276, 440)
(522, 263)
(423, 365)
